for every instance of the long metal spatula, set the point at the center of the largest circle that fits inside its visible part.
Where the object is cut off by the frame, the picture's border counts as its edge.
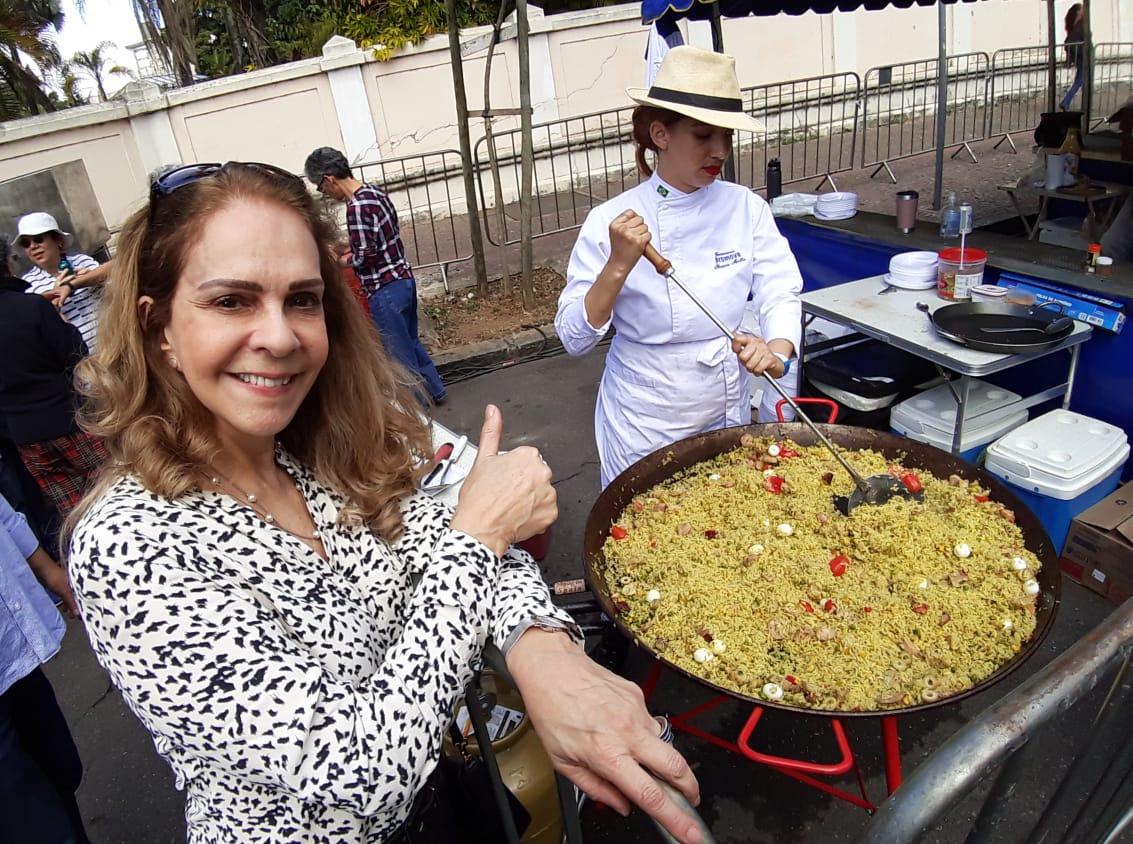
(876, 489)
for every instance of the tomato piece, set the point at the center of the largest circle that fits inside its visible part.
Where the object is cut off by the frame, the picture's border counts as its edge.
(828, 605)
(787, 452)
(839, 565)
(867, 609)
(773, 484)
(618, 532)
(912, 482)
(807, 605)
(983, 499)
(793, 680)
(920, 609)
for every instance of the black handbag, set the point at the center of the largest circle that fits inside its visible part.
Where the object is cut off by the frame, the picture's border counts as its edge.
(457, 804)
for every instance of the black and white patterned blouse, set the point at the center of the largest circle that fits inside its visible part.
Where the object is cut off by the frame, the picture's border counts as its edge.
(297, 699)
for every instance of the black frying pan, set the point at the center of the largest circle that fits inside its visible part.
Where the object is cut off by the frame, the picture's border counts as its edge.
(1007, 329)
(667, 461)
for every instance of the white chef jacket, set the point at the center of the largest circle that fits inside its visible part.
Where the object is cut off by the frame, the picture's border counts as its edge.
(670, 373)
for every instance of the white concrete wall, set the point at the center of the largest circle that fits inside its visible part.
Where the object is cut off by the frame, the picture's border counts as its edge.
(581, 63)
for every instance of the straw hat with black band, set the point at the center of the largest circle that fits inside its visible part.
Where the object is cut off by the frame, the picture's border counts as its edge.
(699, 84)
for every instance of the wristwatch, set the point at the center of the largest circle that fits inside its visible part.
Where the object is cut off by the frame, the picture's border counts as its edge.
(786, 363)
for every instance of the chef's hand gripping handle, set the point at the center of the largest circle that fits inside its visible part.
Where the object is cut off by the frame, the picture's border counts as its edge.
(660, 263)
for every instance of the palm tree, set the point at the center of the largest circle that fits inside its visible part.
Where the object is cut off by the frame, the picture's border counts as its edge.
(93, 63)
(168, 31)
(26, 31)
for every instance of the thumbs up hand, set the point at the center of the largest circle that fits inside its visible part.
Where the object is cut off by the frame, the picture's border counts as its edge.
(507, 497)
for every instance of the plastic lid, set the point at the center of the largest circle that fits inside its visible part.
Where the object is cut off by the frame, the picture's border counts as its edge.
(988, 409)
(1060, 454)
(967, 255)
(1104, 261)
(989, 290)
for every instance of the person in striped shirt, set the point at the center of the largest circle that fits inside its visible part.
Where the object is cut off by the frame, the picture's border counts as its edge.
(71, 280)
(378, 257)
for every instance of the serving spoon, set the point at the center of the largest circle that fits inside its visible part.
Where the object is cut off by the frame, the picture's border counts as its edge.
(876, 489)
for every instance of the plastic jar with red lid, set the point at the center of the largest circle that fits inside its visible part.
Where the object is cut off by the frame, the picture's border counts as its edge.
(958, 271)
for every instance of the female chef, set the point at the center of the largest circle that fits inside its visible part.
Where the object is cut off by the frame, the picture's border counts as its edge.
(670, 373)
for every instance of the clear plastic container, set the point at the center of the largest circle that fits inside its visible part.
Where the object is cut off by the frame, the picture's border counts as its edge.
(958, 272)
(989, 293)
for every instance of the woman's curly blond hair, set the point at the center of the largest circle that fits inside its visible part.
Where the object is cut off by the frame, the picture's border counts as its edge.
(358, 430)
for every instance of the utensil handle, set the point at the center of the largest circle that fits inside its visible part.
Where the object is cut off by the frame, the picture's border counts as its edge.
(660, 263)
(858, 479)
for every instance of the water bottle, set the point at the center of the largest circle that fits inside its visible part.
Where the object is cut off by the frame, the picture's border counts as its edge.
(950, 218)
(774, 179)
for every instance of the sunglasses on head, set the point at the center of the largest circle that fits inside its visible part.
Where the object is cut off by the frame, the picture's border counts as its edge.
(25, 241)
(178, 177)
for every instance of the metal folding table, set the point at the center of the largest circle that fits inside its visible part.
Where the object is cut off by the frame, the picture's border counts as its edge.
(893, 318)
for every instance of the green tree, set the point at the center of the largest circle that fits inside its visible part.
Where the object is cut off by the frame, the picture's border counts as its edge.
(168, 31)
(27, 33)
(92, 63)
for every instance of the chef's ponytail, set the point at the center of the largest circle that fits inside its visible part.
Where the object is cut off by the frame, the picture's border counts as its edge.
(643, 119)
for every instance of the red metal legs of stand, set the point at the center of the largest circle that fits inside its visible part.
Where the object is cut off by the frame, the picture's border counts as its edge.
(798, 769)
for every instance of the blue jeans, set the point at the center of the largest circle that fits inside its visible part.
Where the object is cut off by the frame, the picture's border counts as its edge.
(393, 307)
(1075, 87)
(39, 767)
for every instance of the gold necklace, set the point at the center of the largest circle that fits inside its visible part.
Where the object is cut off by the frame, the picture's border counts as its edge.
(219, 480)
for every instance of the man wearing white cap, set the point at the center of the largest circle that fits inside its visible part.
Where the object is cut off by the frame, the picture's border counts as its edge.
(670, 373)
(72, 280)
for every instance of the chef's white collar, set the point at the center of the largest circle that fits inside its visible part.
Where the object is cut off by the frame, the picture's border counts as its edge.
(668, 194)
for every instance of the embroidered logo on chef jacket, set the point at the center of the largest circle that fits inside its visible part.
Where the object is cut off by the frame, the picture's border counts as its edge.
(728, 259)
(661, 189)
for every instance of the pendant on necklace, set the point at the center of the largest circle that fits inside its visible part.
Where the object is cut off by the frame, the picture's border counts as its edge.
(269, 518)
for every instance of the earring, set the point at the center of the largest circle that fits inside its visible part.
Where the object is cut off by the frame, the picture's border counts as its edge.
(173, 362)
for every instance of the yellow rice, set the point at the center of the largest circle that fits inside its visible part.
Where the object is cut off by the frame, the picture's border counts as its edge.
(767, 608)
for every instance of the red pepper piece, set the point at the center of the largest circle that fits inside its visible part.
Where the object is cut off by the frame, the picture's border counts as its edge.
(829, 606)
(839, 565)
(982, 499)
(920, 609)
(867, 609)
(773, 484)
(912, 482)
(793, 680)
(618, 532)
(807, 605)
(787, 452)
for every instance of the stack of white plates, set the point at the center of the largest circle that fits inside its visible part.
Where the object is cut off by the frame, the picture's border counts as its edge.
(836, 206)
(912, 270)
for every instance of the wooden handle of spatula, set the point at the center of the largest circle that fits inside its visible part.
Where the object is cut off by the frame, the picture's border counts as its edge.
(660, 263)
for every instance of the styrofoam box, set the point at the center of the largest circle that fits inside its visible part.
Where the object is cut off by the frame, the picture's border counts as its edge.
(930, 417)
(1060, 454)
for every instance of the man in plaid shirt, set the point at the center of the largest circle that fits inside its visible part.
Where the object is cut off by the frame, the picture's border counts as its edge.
(378, 257)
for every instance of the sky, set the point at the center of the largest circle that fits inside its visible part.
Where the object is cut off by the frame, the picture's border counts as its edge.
(103, 20)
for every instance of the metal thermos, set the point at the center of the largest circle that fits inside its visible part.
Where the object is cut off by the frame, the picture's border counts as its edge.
(774, 179)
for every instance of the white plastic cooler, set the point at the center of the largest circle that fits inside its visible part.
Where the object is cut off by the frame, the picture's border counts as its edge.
(1060, 464)
(930, 417)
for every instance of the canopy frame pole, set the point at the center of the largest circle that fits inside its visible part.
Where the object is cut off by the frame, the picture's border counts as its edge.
(1052, 57)
(941, 103)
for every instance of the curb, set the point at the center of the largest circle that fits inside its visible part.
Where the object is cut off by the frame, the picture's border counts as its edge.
(490, 352)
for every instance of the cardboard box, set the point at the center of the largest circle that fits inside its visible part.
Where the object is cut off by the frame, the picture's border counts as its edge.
(1099, 548)
(1084, 307)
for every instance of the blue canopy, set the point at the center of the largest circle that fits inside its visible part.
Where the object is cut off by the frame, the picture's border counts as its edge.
(651, 10)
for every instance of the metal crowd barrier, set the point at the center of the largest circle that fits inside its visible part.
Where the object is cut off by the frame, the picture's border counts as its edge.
(812, 127)
(1112, 80)
(899, 109)
(1096, 793)
(580, 162)
(422, 187)
(1017, 91)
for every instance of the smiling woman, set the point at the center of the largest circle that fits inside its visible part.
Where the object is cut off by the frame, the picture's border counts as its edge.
(289, 617)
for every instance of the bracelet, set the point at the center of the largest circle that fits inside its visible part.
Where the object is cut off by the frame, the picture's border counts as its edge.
(786, 363)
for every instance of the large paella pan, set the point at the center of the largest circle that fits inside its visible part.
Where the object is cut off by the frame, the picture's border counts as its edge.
(674, 461)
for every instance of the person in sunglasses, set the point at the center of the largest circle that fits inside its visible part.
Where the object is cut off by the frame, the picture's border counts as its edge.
(39, 351)
(377, 255)
(288, 615)
(72, 280)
